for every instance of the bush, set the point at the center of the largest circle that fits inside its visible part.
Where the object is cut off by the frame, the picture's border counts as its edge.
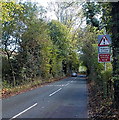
(107, 83)
(106, 75)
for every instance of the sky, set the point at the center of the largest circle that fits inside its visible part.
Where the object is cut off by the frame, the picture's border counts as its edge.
(50, 15)
(42, 2)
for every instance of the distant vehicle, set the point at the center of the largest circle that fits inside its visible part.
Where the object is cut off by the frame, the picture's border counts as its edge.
(74, 75)
(82, 75)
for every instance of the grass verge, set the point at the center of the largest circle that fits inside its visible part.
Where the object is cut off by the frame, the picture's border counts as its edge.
(7, 92)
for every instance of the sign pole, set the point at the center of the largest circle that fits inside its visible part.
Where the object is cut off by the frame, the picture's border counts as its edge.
(105, 66)
(105, 62)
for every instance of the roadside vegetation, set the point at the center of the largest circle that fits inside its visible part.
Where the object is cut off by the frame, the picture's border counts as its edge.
(103, 83)
(34, 50)
(37, 50)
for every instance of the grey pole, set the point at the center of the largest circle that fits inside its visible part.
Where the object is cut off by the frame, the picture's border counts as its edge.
(104, 62)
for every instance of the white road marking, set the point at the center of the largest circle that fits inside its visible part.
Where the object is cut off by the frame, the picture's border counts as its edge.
(55, 92)
(67, 84)
(24, 111)
(42, 107)
(56, 85)
(73, 80)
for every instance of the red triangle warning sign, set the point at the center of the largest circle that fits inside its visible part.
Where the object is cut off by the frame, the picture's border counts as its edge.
(104, 42)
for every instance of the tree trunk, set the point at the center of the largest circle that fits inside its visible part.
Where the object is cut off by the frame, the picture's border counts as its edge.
(115, 46)
(13, 75)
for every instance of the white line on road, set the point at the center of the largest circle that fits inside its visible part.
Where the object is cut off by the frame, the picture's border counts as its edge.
(55, 92)
(67, 84)
(73, 80)
(24, 111)
(57, 85)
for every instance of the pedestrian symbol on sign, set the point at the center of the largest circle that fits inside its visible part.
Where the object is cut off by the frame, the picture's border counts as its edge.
(104, 42)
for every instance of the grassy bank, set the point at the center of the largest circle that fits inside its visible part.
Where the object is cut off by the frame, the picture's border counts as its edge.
(11, 91)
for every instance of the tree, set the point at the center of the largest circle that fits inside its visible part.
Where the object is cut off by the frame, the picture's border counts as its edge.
(109, 12)
(35, 45)
(95, 70)
(62, 39)
(68, 13)
(10, 10)
(111, 23)
(59, 36)
(11, 32)
(91, 10)
(40, 49)
(115, 47)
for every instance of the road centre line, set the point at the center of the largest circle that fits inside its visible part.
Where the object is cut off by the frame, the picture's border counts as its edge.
(57, 85)
(24, 111)
(67, 84)
(55, 92)
(72, 81)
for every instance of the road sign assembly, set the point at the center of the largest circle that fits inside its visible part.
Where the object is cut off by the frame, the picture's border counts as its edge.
(104, 54)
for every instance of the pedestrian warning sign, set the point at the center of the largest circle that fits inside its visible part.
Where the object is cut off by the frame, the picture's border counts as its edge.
(104, 40)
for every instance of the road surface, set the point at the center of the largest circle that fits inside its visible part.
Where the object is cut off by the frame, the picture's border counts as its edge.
(62, 99)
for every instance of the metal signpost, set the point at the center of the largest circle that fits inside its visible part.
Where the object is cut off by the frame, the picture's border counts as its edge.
(104, 50)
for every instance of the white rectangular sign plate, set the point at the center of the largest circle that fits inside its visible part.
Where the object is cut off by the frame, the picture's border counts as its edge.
(105, 49)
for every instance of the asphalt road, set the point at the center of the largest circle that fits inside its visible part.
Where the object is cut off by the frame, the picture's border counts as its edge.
(62, 99)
